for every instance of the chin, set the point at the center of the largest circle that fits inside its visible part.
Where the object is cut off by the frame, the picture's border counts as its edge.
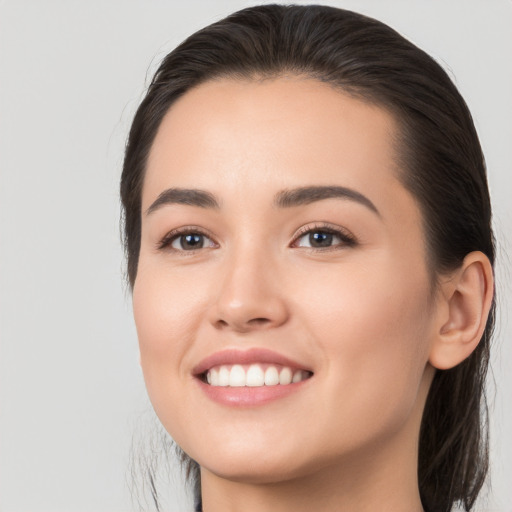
(253, 472)
(257, 464)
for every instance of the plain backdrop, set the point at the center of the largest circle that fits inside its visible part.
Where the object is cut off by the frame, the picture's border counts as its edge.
(71, 76)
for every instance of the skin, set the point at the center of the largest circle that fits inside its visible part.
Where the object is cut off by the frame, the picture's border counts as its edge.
(361, 315)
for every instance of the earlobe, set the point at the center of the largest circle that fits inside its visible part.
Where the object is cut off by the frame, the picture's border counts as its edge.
(466, 299)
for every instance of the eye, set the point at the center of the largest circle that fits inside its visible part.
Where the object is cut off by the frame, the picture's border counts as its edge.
(324, 238)
(190, 240)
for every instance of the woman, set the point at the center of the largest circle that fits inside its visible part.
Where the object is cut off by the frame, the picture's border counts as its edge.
(307, 226)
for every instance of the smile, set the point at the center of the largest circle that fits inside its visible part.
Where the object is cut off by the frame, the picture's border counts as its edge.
(254, 375)
(251, 377)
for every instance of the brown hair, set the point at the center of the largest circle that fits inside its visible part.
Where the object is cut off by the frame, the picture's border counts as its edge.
(442, 166)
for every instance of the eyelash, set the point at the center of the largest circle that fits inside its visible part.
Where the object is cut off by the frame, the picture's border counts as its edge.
(170, 237)
(346, 237)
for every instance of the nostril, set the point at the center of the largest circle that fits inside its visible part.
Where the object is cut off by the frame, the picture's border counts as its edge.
(253, 323)
(258, 321)
(221, 324)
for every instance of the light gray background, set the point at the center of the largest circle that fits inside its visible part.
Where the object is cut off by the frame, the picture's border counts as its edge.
(71, 76)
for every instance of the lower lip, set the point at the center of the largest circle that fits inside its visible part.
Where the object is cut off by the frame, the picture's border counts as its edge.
(249, 396)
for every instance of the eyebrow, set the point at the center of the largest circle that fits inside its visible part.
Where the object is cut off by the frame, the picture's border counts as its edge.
(188, 196)
(308, 195)
(284, 199)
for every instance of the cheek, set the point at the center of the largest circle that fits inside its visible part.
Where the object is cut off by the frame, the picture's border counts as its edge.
(372, 328)
(360, 305)
(165, 312)
(165, 309)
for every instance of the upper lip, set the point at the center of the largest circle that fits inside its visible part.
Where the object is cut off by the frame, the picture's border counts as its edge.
(253, 355)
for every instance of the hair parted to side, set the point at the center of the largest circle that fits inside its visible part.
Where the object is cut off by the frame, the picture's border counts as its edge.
(441, 164)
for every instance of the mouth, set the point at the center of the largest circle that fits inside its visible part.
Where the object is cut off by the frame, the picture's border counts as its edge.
(250, 377)
(253, 375)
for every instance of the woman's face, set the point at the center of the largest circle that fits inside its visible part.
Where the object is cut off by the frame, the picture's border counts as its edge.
(277, 244)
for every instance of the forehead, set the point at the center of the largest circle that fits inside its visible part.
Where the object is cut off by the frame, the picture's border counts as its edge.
(241, 136)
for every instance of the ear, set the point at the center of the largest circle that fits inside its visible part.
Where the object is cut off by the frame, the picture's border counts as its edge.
(463, 307)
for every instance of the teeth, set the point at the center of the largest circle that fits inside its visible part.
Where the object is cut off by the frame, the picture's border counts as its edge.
(223, 376)
(285, 377)
(297, 376)
(254, 376)
(271, 376)
(237, 377)
(213, 377)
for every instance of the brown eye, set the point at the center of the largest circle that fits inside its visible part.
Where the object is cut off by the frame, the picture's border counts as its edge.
(321, 238)
(190, 242)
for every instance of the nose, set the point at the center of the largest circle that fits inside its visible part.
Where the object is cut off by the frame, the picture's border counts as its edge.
(249, 296)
